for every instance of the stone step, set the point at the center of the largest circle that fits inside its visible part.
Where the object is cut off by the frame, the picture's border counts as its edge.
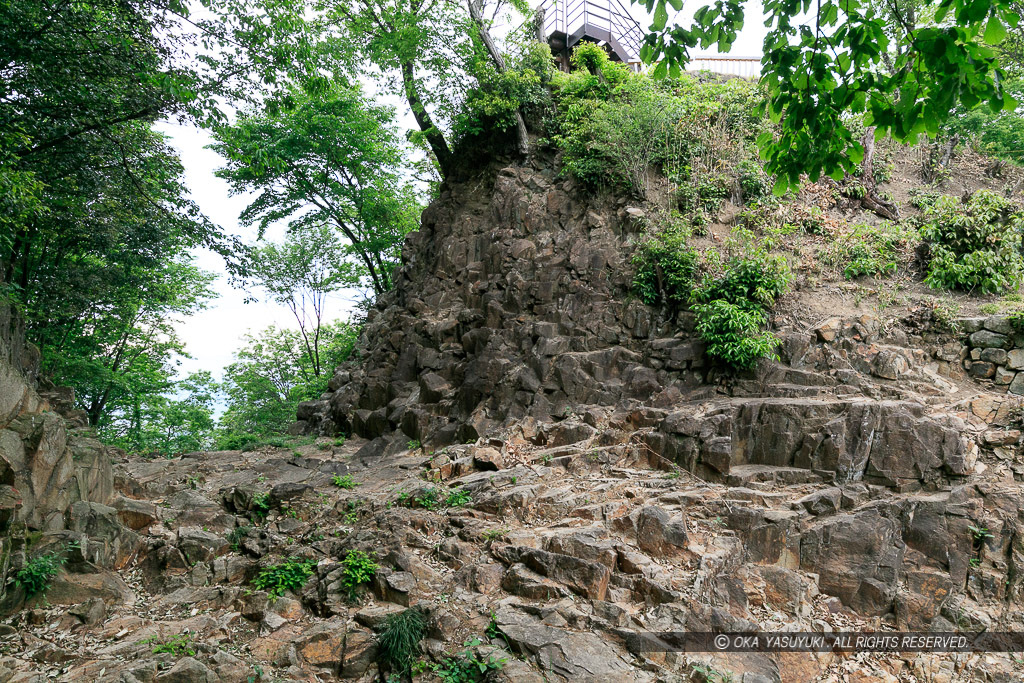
(743, 475)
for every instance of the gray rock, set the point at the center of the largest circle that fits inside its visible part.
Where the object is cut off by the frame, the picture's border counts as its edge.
(997, 356)
(998, 323)
(987, 339)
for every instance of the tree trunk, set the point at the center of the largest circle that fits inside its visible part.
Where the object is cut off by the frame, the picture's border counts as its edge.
(438, 145)
(871, 201)
(476, 13)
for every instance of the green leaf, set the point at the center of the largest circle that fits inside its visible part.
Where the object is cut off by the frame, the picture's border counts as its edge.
(995, 32)
(660, 17)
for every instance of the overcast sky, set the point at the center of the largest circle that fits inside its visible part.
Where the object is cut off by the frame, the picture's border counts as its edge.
(213, 335)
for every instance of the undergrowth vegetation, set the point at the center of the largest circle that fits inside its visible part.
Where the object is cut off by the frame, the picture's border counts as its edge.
(624, 131)
(974, 245)
(36, 575)
(731, 298)
(287, 576)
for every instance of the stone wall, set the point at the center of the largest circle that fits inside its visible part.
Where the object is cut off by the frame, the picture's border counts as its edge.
(994, 351)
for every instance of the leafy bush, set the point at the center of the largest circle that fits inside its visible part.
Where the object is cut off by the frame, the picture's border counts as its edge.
(357, 568)
(287, 576)
(260, 506)
(974, 246)
(399, 640)
(750, 281)
(615, 127)
(733, 333)
(731, 307)
(35, 577)
(666, 269)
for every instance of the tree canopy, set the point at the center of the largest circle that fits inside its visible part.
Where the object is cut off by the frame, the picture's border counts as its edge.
(823, 63)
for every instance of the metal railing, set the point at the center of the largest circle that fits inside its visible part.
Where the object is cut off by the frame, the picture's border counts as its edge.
(606, 21)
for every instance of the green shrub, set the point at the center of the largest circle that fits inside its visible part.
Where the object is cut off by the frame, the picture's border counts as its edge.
(616, 127)
(733, 333)
(974, 246)
(287, 576)
(357, 568)
(756, 280)
(428, 498)
(260, 506)
(236, 535)
(754, 182)
(666, 269)
(35, 577)
(399, 640)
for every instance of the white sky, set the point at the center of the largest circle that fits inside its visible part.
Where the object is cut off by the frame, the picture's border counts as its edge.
(213, 335)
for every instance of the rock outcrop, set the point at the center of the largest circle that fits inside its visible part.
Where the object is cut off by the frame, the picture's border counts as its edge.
(549, 471)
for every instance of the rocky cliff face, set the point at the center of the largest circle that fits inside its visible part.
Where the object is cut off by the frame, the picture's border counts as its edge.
(514, 302)
(545, 467)
(55, 478)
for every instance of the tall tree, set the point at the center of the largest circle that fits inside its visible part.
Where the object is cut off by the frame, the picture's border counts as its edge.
(327, 159)
(301, 273)
(271, 374)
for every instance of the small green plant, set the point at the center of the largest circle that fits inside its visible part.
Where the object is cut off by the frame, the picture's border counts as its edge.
(35, 577)
(414, 445)
(428, 498)
(466, 666)
(345, 482)
(709, 674)
(340, 441)
(979, 534)
(458, 498)
(398, 643)
(287, 576)
(494, 534)
(989, 309)
(975, 562)
(358, 568)
(236, 535)
(870, 250)
(260, 506)
(665, 269)
(352, 511)
(1016, 320)
(178, 645)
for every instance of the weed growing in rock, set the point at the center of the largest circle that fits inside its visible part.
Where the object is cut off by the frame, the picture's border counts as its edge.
(236, 535)
(260, 506)
(494, 534)
(358, 568)
(346, 482)
(179, 645)
(35, 577)
(458, 498)
(974, 245)
(287, 576)
(464, 667)
(414, 445)
(428, 498)
(399, 640)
